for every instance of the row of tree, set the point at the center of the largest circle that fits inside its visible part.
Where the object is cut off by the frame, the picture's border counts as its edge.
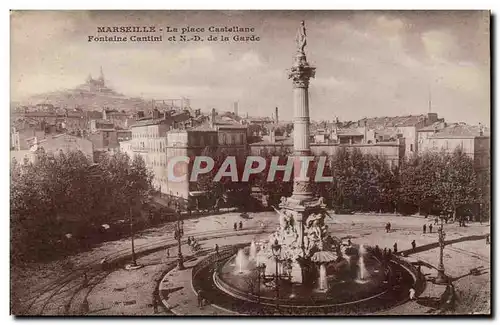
(68, 194)
(433, 182)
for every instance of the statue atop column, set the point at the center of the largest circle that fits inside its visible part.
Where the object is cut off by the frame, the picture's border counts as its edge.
(301, 72)
(301, 38)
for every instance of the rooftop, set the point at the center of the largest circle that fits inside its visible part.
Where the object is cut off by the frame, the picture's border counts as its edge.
(150, 121)
(394, 121)
(432, 127)
(348, 133)
(461, 130)
(278, 142)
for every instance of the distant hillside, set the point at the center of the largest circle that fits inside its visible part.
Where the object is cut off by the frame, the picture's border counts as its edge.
(92, 95)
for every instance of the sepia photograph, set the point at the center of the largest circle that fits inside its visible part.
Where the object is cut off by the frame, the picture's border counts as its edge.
(227, 163)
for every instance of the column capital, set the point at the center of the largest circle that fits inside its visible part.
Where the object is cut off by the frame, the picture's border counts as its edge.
(301, 73)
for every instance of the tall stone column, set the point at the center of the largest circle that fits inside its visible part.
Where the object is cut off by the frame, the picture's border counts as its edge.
(300, 73)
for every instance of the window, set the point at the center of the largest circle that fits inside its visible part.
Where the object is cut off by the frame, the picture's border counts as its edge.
(242, 138)
(223, 138)
(411, 147)
(233, 138)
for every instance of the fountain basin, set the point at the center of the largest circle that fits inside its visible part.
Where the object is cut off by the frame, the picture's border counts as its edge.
(243, 294)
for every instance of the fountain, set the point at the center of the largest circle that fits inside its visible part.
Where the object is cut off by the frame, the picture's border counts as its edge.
(361, 264)
(306, 247)
(253, 251)
(240, 261)
(323, 285)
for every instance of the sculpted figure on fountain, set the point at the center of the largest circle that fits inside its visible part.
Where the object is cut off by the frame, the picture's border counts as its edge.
(316, 232)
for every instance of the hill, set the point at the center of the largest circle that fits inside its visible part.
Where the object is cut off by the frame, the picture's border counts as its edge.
(92, 95)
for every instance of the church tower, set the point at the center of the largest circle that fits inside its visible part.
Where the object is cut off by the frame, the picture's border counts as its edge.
(101, 78)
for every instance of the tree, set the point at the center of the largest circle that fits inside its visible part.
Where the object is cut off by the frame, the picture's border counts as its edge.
(457, 183)
(65, 192)
(277, 187)
(418, 177)
(205, 182)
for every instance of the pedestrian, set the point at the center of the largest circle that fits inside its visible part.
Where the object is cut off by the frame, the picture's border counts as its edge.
(261, 224)
(487, 239)
(424, 228)
(155, 304)
(385, 252)
(413, 245)
(200, 298)
(390, 226)
(216, 249)
(85, 280)
(349, 243)
(436, 220)
(241, 225)
(189, 241)
(430, 228)
(235, 226)
(168, 252)
(419, 269)
(412, 293)
(395, 248)
(85, 306)
(104, 264)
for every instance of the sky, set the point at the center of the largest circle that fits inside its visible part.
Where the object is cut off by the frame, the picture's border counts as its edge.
(368, 63)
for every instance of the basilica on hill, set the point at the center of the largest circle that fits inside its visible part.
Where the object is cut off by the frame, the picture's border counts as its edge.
(95, 85)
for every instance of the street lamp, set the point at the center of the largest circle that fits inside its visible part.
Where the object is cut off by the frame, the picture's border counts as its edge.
(178, 233)
(131, 184)
(276, 248)
(441, 276)
(134, 262)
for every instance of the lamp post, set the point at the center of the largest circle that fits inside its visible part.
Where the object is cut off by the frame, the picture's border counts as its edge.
(261, 270)
(134, 261)
(178, 233)
(441, 276)
(132, 186)
(276, 248)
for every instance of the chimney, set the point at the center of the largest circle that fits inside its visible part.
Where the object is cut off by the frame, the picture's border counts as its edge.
(235, 108)
(365, 130)
(276, 115)
(156, 113)
(212, 119)
(481, 130)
